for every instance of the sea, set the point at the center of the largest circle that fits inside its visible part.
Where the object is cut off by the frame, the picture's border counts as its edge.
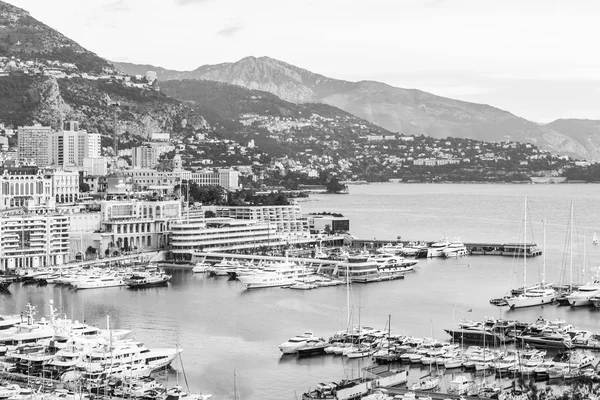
(226, 331)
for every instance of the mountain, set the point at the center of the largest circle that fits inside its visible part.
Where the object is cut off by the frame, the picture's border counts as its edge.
(409, 111)
(24, 37)
(585, 131)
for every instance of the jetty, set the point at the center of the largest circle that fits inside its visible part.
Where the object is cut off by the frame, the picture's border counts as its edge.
(483, 249)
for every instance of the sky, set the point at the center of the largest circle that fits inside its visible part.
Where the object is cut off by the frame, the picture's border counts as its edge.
(535, 58)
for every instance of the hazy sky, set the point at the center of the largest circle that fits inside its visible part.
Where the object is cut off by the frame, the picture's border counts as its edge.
(536, 58)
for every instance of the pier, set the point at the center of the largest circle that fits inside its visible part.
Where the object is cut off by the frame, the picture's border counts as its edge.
(482, 249)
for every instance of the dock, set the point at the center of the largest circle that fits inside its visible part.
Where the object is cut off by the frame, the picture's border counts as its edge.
(433, 395)
(483, 249)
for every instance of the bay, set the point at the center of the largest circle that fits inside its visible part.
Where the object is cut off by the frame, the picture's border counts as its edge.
(222, 327)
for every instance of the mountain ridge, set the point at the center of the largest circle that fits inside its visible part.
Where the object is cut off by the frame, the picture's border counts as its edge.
(408, 111)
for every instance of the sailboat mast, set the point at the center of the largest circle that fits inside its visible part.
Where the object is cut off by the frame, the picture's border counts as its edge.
(348, 295)
(525, 249)
(571, 246)
(544, 258)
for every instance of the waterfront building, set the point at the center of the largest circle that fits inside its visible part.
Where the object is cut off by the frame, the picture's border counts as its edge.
(137, 224)
(33, 144)
(25, 186)
(144, 157)
(218, 234)
(288, 219)
(226, 178)
(84, 231)
(33, 240)
(319, 223)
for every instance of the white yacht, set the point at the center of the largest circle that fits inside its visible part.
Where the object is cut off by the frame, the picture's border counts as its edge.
(534, 297)
(412, 248)
(456, 248)
(388, 263)
(391, 248)
(200, 267)
(129, 352)
(94, 282)
(293, 344)
(583, 295)
(281, 274)
(437, 249)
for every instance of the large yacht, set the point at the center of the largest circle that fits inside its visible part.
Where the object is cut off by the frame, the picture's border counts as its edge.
(129, 352)
(358, 267)
(293, 344)
(281, 274)
(94, 282)
(456, 248)
(388, 263)
(534, 297)
(583, 295)
(437, 249)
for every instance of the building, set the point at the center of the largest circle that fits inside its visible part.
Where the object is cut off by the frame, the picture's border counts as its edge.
(70, 146)
(84, 232)
(33, 240)
(65, 186)
(25, 186)
(226, 178)
(160, 136)
(144, 157)
(218, 234)
(33, 144)
(320, 223)
(95, 166)
(136, 224)
(288, 219)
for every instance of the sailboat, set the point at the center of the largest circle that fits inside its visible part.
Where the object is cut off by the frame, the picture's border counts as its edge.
(537, 296)
(595, 238)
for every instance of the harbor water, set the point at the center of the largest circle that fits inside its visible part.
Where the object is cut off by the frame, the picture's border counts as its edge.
(223, 328)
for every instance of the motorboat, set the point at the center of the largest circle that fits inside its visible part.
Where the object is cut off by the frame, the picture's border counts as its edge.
(456, 248)
(412, 248)
(200, 267)
(177, 393)
(280, 274)
(391, 264)
(583, 295)
(437, 249)
(426, 383)
(391, 248)
(292, 345)
(312, 347)
(460, 385)
(147, 280)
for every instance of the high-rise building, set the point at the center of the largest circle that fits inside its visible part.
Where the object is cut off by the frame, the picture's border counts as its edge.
(144, 157)
(70, 146)
(33, 144)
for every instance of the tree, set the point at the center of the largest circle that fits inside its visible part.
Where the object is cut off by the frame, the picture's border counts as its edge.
(209, 214)
(334, 186)
(327, 229)
(84, 187)
(90, 252)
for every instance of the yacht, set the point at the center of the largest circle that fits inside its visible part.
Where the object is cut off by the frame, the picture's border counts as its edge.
(391, 249)
(129, 352)
(533, 297)
(147, 280)
(437, 249)
(388, 263)
(595, 300)
(583, 295)
(359, 268)
(456, 248)
(94, 282)
(200, 267)
(281, 274)
(293, 344)
(412, 248)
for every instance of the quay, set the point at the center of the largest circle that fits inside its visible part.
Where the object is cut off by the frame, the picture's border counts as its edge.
(433, 395)
(483, 249)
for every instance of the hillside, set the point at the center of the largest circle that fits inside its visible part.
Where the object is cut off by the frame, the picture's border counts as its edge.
(24, 37)
(243, 114)
(409, 111)
(28, 99)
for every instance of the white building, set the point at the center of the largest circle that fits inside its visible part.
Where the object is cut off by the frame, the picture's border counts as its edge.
(135, 224)
(33, 240)
(25, 186)
(160, 136)
(226, 178)
(144, 157)
(70, 146)
(288, 219)
(65, 186)
(217, 234)
(96, 166)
